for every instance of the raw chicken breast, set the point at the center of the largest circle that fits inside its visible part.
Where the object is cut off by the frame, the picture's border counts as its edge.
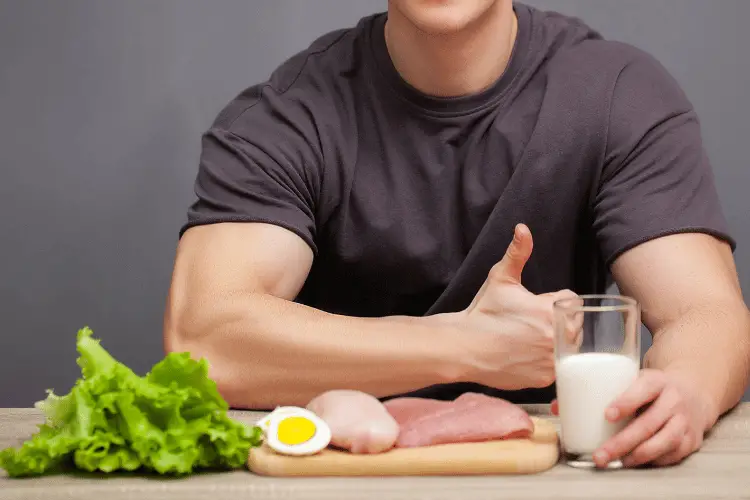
(406, 409)
(359, 422)
(472, 417)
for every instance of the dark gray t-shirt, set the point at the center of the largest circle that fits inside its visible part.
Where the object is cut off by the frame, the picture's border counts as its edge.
(407, 200)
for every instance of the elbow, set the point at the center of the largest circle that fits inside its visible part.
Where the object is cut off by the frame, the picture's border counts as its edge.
(738, 353)
(200, 348)
(173, 331)
(745, 344)
(173, 321)
(741, 347)
(179, 335)
(196, 337)
(185, 329)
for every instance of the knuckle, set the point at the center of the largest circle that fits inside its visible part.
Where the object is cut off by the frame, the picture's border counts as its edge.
(681, 452)
(692, 441)
(674, 399)
(651, 426)
(680, 425)
(548, 315)
(496, 274)
(549, 339)
(676, 440)
(545, 311)
(665, 461)
(512, 252)
(639, 455)
(546, 378)
(696, 440)
(548, 369)
(657, 376)
(564, 294)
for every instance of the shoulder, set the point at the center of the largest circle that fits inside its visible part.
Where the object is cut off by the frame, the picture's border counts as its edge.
(610, 85)
(574, 53)
(638, 92)
(617, 71)
(620, 62)
(609, 61)
(304, 80)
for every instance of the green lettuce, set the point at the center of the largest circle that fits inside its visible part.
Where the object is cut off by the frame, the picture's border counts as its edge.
(171, 421)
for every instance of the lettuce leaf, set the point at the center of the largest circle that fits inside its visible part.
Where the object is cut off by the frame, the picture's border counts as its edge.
(171, 421)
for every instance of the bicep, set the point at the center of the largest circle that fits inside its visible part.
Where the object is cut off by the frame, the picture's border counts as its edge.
(216, 265)
(656, 178)
(672, 274)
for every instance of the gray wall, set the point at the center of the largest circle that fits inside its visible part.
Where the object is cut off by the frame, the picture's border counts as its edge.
(102, 105)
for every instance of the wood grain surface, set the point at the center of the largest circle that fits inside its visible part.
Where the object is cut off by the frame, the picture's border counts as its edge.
(721, 469)
(533, 455)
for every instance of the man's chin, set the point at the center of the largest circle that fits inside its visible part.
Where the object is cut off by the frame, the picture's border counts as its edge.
(437, 23)
(444, 17)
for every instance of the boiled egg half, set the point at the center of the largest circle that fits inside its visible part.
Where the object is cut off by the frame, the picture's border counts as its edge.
(290, 430)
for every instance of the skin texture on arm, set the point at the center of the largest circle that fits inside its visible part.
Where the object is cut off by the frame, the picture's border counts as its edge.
(692, 303)
(699, 363)
(231, 303)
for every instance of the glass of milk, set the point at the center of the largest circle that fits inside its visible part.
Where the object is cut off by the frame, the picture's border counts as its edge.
(597, 357)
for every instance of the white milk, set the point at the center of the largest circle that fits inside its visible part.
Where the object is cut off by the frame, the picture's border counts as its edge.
(586, 384)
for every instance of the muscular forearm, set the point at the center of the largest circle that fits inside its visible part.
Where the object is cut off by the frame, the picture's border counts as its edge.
(265, 351)
(710, 346)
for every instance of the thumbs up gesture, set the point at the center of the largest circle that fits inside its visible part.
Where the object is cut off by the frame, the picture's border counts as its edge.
(514, 344)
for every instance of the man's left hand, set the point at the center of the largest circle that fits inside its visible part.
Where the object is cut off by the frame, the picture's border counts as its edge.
(670, 418)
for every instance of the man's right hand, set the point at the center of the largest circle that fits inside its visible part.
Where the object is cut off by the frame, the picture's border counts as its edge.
(516, 345)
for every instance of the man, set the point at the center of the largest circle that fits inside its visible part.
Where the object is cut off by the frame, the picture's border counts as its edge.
(364, 220)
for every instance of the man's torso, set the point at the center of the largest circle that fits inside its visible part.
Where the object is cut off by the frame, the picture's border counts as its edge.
(426, 192)
(411, 198)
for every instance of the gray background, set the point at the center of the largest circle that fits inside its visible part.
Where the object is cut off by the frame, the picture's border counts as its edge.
(102, 105)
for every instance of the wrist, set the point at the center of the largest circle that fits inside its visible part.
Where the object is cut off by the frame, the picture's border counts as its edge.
(454, 366)
(469, 347)
(710, 406)
(706, 398)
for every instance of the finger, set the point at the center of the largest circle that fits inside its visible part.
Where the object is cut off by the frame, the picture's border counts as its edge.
(561, 294)
(554, 407)
(667, 440)
(565, 294)
(645, 389)
(510, 268)
(637, 431)
(684, 450)
(574, 330)
(569, 318)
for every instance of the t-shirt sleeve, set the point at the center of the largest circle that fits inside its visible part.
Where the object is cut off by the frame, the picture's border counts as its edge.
(258, 163)
(656, 179)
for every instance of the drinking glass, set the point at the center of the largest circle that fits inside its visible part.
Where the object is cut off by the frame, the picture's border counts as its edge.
(597, 357)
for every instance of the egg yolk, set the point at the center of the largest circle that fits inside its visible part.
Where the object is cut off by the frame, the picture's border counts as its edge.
(295, 430)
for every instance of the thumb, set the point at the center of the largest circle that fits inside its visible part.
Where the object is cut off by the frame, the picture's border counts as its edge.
(518, 253)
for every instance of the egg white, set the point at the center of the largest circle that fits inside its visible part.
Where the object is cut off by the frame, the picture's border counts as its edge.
(270, 426)
(265, 422)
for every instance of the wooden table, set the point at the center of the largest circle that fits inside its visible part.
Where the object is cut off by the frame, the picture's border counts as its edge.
(721, 469)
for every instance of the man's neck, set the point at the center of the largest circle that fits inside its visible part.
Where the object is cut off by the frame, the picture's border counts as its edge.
(455, 64)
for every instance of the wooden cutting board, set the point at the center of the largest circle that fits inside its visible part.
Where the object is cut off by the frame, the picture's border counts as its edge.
(512, 456)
